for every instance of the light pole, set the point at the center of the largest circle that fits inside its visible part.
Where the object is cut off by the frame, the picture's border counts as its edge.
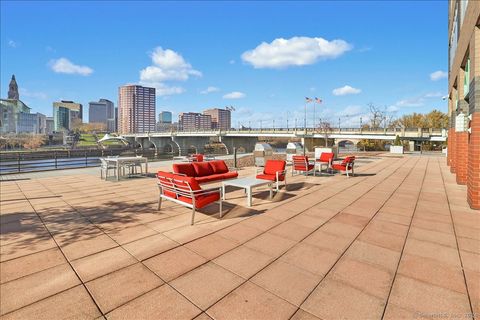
(339, 124)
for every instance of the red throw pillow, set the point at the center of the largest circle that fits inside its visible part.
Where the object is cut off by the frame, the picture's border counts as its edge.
(202, 169)
(218, 166)
(184, 168)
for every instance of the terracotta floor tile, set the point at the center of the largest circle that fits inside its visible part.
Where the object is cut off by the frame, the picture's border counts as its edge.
(131, 234)
(207, 284)
(150, 246)
(382, 239)
(308, 221)
(37, 286)
(261, 222)
(239, 232)
(287, 281)
(473, 283)
(471, 261)
(119, 287)
(188, 233)
(446, 239)
(430, 271)
(341, 229)
(310, 258)
(291, 230)
(432, 225)
(77, 249)
(13, 269)
(331, 299)
(393, 312)
(173, 263)
(425, 298)
(101, 263)
(363, 276)
(202, 316)
(161, 303)
(470, 245)
(20, 249)
(328, 241)
(251, 302)
(389, 227)
(211, 246)
(354, 220)
(243, 261)
(74, 303)
(270, 244)
(432, 250)
(303, 315)
(373, 254)
(393, 218)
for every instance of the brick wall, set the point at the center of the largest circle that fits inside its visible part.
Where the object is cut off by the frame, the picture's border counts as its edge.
(473, 178)
(461, 154)
(452, 150)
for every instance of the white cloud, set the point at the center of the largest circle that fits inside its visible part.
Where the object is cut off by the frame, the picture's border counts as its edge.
(63, 65)
(32, 94)
(210, 90)
(168, 65)
(345, 90)
(12, 44)
(296, 51)
(234, 95)
(411, 102)
(438, 75)
(393, 108)
(434, 95)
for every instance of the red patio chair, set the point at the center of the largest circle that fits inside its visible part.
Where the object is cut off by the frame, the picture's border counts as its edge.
(197, 157)
(301, 164)
(346, 165)
(326, 159)
(274, 170)
(187, 192)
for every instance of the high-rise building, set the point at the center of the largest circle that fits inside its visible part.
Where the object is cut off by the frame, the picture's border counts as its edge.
(136, 109)
(103, 112)
(463, 92)
(221, 118)
(49, 125)
(164, 121)
(193, 121)
(65, 114)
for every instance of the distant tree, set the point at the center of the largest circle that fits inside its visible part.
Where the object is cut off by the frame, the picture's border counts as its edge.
(326, 129)
(434, 119)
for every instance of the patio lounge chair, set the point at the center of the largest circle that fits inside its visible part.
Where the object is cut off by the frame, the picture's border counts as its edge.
(346, 165)
(187, 192)
(301, 164)
(326, 159)
(274, 170)
(105, 166)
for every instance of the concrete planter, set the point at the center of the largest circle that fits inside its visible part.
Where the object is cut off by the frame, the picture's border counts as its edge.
(396, 149)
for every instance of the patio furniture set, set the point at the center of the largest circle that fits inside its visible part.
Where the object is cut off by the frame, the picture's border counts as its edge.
(183, 185)
(122, 166)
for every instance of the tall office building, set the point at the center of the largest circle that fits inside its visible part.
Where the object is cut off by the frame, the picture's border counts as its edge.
(65, 114)
(136, 109)
(103, 112)
(221, 118)
(193, 121)
(49, 125)
(464, 96)
(164, 121)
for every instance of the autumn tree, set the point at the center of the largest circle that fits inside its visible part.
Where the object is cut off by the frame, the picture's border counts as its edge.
(34, 141)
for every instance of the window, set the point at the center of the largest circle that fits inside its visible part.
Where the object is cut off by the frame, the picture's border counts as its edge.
(466, 79)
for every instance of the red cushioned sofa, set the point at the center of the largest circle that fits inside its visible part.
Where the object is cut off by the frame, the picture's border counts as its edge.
(206, 171)
(187, 192)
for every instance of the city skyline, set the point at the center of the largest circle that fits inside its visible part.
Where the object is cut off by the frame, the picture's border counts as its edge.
(196, 63)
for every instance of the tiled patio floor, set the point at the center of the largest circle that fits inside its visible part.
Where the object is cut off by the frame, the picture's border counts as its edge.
(398, 241)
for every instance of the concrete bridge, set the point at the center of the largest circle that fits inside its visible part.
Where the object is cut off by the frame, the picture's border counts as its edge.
(182, 142)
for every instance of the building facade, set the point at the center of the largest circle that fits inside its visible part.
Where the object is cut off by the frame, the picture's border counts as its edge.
(464, 96)
(65, 114)
(221, 118)
(136, 109)
(193, 121)
(49, 125)
(103, 112)
(165, 121)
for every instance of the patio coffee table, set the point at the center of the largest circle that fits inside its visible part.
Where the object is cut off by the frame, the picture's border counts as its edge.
(248, 184)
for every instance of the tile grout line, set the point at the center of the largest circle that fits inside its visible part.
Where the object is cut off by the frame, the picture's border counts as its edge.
(405, 241)
(456, 242)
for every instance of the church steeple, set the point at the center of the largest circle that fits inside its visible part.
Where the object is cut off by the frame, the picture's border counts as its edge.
(13, 89)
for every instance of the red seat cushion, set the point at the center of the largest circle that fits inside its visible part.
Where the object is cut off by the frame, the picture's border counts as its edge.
(270, 177)
(201, 200)
(273, 166)
(184, 168)
(229, 175)
(164, 179)
(206, 179)
(202, 169)
(198, 157)
(339, 167)
(218, 166)
(325, 157)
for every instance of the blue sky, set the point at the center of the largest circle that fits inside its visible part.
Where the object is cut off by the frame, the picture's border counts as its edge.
(263, 58)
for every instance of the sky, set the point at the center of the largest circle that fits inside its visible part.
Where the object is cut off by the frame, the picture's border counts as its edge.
(262, 58)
